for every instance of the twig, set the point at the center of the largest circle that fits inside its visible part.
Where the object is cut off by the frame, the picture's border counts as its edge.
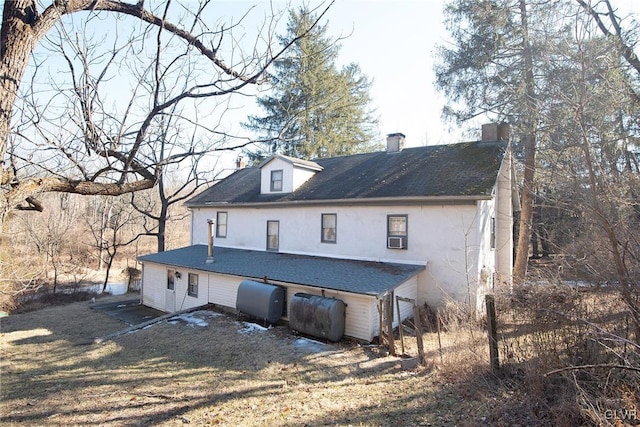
(575, 368)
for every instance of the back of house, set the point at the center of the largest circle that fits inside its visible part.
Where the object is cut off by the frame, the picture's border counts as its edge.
(430, 224)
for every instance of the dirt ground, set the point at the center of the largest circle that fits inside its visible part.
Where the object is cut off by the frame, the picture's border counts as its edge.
(209, 368)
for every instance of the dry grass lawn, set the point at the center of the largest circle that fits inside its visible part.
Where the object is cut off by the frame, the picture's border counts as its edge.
(224, 373)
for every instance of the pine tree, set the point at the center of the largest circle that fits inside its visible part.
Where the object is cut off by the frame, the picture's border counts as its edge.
(315, 110)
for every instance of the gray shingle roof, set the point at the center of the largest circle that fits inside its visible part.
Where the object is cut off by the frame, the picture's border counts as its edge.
(465, 169)
(361, 277)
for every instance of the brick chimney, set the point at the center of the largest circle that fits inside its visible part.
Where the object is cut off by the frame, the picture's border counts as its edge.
(493, 132)
(395, 142)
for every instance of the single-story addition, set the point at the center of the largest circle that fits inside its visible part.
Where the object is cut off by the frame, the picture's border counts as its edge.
(360, 284)
(431, 224)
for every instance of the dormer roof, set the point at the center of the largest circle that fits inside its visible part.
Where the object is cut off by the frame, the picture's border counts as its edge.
(305, 164)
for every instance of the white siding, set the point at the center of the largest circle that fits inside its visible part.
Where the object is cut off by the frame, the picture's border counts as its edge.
(154, 285)
(223, 289)
(185, 301)
(408, 289)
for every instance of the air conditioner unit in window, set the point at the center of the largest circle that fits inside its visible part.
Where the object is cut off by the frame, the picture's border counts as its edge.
(395, 242)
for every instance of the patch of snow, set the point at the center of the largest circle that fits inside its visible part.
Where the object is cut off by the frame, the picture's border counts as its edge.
(112, 288)
(301, 342)
(251, 327)
(311, 346)
(190, 319)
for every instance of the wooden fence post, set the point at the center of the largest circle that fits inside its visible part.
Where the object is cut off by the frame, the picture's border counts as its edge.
(492, 330)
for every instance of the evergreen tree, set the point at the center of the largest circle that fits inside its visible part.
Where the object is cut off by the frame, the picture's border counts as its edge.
(315, 110)
(492, 69)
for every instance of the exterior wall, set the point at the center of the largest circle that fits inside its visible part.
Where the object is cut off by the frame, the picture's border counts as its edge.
(287, 176)
(361, 312)
(359, 320)
(300, 176)
(504, 219)
(446, 238)
(483, 275)
(154, 283)
(292, 176)
(408, 289)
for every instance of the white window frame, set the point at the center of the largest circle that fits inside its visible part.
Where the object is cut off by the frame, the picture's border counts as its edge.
(192, 286)
(273, 240)
(276, 183)
(221, 226)
(394, 232)
(328, 234)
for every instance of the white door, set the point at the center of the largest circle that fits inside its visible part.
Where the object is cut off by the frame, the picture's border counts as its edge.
(170, 293)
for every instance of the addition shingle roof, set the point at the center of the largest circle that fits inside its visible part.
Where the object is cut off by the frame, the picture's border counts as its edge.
(361, 277)
(466, 169)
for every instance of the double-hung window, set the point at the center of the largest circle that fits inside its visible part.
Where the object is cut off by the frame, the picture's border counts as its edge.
(192, 289)
(276, 180)
(397, 231)
(273, 232)
(221, 224)
(329, 222)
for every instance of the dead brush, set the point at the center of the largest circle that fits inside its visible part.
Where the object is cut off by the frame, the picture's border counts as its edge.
(568, 349)
(455, 340)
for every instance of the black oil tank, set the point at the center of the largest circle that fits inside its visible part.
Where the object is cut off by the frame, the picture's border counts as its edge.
(261, 300)
(317, 316)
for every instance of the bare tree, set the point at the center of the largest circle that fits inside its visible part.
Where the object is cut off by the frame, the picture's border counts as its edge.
(109, 231)
(180, 179)
(113, 161)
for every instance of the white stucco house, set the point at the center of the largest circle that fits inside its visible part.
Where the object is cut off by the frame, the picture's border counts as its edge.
(428, 223)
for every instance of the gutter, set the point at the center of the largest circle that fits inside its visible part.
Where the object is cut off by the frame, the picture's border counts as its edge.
(417, 200)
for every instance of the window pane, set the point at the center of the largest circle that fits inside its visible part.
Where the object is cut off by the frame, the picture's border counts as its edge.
(397, 226)
(276, 180)
(272, 234)
(328, 227)
(221, 224)
(328, 221)
(171, 280)
(193, 285)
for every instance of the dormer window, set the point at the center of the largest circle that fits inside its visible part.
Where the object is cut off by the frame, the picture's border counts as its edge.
(283, 174)
(276, 180)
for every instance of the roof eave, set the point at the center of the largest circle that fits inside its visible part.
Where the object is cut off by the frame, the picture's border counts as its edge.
(433, 200)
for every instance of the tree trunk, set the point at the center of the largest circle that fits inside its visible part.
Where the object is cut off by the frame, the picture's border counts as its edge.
(17, 40)
(164, 211)
(526, 214)
(162, 229)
